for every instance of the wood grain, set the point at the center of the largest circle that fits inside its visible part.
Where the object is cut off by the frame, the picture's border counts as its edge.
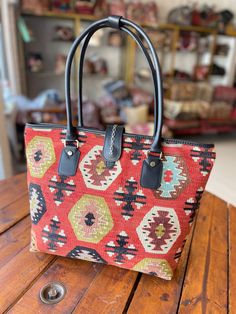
(205, 284)
(157, 296)
(232, 259)
(18, 273)
(13, 240)
(76, 276)
(108, 293)
(11, 189)
(12, 213)
(204, 281)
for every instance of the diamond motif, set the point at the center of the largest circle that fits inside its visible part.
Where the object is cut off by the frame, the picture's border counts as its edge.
(159, 230)
(95, 174)
(174, 178)
(87, 254)
(37, 203)
(155, 266)
(90, 218)
(40, 155)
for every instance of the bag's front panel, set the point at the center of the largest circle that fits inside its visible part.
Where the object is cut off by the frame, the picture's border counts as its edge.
(104, 215)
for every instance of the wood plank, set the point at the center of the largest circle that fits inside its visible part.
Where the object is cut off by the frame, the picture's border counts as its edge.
(18, 273)
(205, 285)
(232, 259)
(12, 188)
(13, 240)
(14, 212)
(109, 292)
(155, 295)
(74, 274)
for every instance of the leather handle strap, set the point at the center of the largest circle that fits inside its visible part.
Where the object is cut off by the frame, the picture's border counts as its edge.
(117, 22)
(81, 65)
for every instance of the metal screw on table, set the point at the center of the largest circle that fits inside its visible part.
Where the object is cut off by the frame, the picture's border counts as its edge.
(52, 293)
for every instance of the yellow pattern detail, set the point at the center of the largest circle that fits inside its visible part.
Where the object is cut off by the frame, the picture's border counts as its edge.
(40, 155)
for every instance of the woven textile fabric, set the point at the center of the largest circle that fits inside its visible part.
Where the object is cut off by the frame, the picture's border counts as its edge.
(104, 215)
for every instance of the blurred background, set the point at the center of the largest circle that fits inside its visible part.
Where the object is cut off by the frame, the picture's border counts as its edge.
(196, 45)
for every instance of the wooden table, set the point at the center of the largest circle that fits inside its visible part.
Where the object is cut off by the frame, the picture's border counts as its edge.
(205, 281)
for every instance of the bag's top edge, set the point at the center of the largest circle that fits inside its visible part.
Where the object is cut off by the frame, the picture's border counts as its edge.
(91, 130)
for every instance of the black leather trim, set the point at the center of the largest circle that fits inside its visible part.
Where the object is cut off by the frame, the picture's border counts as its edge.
(112, 148)
(96, 131)
(69, 161)
(158, 90)
(151, 175)
(114, 21)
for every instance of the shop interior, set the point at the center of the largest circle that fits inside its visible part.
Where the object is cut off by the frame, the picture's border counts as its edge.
(196, 46)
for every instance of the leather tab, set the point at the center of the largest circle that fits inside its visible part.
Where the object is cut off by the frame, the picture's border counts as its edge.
(69, 161)
(151, 174)
(114, 21)
(112, 144)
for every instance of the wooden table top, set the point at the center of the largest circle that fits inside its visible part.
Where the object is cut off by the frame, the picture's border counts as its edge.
(204, 282)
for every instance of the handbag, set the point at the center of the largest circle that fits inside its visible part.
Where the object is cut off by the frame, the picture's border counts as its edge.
(111, 197)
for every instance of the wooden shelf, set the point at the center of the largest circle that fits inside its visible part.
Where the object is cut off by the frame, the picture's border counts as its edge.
(61, 15)
(71, 15)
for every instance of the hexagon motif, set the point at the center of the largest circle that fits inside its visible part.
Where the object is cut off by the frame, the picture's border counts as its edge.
(90, 218)
(94, 171)
(40, 155)
(155, 266)
(159, 230)
(175, 178)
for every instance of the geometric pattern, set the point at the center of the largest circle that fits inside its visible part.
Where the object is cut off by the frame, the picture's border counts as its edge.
(174, 178)
(137, 146)
(130, 200)
(40, 155)
(204, 157)
(155, 266)
(94, 171)
(122, 250)
(37, 203)
(104, 215)
(90, 218)
(159, 230)
(61, 187)
(81, 137)
(192, 204)
(52, 236)
(33, 242)
(87, 254)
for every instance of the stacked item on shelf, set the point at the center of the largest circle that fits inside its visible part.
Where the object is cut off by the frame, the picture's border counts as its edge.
(134, 10)
(204, 16)
(191, 108)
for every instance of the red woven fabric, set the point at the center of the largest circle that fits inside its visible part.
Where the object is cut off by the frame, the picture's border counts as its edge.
(104, 215)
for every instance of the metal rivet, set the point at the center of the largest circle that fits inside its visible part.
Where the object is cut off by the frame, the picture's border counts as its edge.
(69, 153)
(52, 293)
(152, 164)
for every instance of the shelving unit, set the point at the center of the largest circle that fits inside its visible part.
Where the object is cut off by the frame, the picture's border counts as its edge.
(127, 56)
(37, 81)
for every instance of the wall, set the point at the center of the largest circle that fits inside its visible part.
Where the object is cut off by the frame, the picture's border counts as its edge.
(166, 5)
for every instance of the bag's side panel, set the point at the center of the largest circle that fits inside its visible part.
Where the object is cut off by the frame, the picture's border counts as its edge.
(104, 215)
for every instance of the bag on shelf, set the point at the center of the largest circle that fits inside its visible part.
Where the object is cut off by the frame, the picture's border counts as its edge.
(110, 197)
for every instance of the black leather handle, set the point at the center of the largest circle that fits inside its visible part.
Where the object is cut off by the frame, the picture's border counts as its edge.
(81, 64)
(117, 22)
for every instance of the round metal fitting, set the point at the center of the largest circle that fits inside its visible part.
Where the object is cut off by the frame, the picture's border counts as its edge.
(52, 293)
(152, 164)
(69, 153)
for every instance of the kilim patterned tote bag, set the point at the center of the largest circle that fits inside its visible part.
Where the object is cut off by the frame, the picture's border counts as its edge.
(108, 196)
